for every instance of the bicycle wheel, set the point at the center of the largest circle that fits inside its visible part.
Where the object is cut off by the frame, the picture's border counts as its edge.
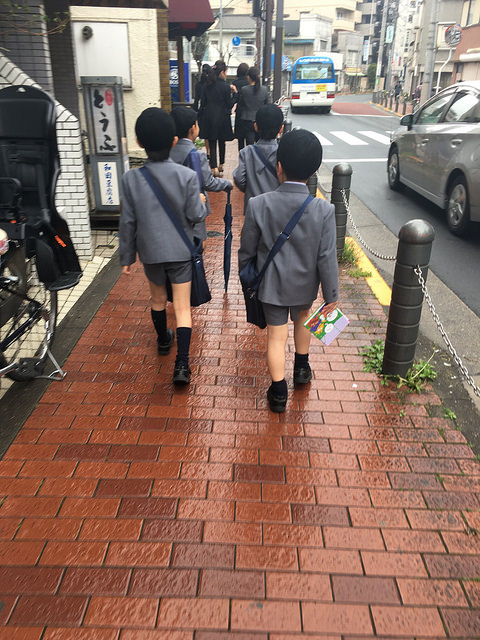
(28, 333)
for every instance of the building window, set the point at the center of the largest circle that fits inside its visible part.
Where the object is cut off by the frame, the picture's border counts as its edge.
(340, 14)
(249, 47)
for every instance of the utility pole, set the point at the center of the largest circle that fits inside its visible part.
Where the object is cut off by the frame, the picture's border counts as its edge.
(267, 56)
(277, 72)
(429, 68)
(378, 72)
(220, 24)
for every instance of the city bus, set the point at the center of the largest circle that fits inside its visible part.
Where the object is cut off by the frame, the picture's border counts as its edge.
(313, 83)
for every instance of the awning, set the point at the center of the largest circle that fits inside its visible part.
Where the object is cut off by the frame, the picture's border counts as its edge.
(188, 18)
(130, 4)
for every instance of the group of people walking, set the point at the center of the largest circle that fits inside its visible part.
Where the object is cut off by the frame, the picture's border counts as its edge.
(156, 218)
(214, 101)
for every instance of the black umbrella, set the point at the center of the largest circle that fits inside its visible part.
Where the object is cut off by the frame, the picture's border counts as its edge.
(227, 247)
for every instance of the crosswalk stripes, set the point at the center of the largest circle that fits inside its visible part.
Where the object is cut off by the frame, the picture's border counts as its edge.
(378, 137)
(354, 140)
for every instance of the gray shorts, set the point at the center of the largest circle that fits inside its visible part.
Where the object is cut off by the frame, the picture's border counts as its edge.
(177, 272)
(277, 315)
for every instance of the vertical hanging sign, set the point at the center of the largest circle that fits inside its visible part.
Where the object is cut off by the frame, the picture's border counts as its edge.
(103, 100)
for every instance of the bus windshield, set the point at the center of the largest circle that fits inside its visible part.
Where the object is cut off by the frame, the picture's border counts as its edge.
(314, 71)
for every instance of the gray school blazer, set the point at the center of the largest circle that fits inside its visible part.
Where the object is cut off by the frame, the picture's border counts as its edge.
(209, 183)
(307, 260)
(144, 226)
(251, 176)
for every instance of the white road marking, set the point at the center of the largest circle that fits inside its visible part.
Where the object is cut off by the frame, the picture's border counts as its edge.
(324, 142)
(350, 160)
(348, 138)
(378, 137)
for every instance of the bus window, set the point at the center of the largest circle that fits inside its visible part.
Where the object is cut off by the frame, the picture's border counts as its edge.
(314, 71)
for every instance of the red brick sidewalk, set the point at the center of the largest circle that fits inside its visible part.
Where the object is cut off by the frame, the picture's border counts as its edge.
(130, 510)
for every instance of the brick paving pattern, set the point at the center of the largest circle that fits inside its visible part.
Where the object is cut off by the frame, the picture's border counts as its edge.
(131, 510)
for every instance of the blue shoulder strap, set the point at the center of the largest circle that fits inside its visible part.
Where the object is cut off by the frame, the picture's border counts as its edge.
(193, 161)
(265, 161)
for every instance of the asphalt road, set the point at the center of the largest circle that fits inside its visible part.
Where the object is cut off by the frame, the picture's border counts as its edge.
(358, 133)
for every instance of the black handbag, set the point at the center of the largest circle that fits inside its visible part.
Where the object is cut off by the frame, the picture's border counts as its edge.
(250, 278)
(200, 292)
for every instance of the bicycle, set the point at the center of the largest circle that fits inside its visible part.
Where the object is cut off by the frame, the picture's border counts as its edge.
(40, 259)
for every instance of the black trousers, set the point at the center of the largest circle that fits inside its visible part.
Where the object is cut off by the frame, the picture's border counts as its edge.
(213, 152)
(245, 133)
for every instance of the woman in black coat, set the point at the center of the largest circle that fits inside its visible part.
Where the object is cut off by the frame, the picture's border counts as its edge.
(217, 123)
(252, 97)
(240, 81)
(199, 104)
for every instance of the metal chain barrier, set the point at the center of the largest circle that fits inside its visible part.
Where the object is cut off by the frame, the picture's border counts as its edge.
(421, 281)
(357, 233)
(450, 347)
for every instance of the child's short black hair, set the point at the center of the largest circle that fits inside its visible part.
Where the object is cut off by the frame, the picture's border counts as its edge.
(300, 154)
(269, 121)
(185, 118)
(155, 131)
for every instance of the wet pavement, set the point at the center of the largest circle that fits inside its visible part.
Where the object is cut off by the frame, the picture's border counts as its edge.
(133, 510)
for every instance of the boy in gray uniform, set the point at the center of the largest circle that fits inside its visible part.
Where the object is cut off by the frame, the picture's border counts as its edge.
(186, 123)
(146, 229)
(308, 258)
(256, 172)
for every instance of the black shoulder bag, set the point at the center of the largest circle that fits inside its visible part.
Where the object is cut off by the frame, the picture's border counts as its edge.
(200, 291)
(250, 279)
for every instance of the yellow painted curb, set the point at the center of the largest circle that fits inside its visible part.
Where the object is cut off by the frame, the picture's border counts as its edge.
(377, 284)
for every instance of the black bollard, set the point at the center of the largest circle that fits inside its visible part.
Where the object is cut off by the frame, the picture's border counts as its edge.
(414, 248)
(287, 126)
(312, 184)
(341, 179)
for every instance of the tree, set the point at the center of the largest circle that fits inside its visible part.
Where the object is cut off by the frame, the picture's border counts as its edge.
(371, 74)
(199, 47)
(23, 17)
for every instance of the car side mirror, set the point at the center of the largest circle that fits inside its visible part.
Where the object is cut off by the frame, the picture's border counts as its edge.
(407, 120)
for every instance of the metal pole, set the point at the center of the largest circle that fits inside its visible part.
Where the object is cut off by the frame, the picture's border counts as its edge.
(277, 74)
(429, 68)
(267, 57)
(341, 180)
(258, 43)
(181, 70)
(378, 71)
(441, 69)
(414, 248)
(220, 38)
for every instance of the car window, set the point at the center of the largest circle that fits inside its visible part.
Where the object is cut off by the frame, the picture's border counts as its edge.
(465, 108)
(432, 112)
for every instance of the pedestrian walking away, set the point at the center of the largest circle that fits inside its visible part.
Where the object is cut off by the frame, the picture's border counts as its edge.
(256, 172)
(306, 260)
(146, 229)
(239, 82)
(218, 107)
(199, 104)
(185, 153)
(252, 97)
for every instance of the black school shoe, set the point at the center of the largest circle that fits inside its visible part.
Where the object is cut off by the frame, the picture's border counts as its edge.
(302, 375)
(277, 403)
(164, 347)
(181, 374)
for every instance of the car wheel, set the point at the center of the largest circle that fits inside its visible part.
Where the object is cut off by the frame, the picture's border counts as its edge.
(458, 207)
(393, 169)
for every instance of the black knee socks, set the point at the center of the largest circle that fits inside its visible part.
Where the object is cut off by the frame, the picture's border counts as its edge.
(280, 388)
(159, 319)
(184, 335)
(301, 361)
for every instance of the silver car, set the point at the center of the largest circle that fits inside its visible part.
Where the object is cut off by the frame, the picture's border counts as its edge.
(436, 152)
